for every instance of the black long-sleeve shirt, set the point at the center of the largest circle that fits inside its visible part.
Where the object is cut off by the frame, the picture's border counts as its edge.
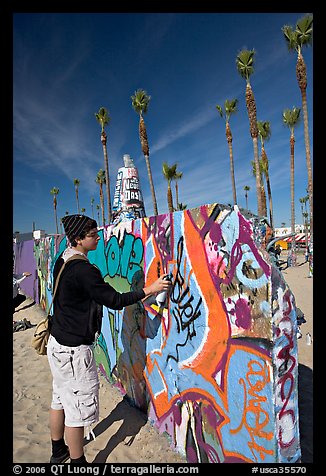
(80, 284)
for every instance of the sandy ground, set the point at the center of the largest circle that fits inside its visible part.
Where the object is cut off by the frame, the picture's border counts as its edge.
(123, 435)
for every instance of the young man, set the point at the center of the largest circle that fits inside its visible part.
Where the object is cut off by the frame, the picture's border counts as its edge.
(75, 380)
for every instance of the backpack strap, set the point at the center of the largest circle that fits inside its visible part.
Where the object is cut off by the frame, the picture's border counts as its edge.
(73, 257)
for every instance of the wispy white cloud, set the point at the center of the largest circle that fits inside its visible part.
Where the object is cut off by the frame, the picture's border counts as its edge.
(180, 131)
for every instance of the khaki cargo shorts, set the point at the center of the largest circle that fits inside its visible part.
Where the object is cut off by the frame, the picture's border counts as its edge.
(75, 383)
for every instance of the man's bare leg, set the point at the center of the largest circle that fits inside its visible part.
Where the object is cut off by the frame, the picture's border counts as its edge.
(75, 441)
(57, 424)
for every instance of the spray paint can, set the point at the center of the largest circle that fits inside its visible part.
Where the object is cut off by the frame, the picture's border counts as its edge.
(161, 297)
(308, 338)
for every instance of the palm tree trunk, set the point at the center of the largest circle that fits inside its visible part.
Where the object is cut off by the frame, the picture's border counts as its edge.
(301, 73)
(292, 141)
(177, 195)
(269, 192)
(263, 199)
(306, 230)
(258, 177)
(170, 198)
(150, 178)
(102, 204)
(107, 175)
(77, 200)
(229, 139)
(145, 149)
(268, 184)
(252, 114)
(55, 215)
(308, 161)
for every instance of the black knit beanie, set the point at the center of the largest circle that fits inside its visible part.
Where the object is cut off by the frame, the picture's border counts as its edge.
(74, 225)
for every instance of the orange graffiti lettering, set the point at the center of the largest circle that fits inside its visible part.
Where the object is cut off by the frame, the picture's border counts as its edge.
(252, 406)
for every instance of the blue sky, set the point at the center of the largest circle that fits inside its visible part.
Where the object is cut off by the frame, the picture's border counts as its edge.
(66, 66)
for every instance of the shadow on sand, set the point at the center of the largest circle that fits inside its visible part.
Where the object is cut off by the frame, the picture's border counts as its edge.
(132, 421)
(25, 307)
(305, 391)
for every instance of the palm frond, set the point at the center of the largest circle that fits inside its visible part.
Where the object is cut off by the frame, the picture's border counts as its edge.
(291, 117)
(140, 101)
(100, 178)
(245, 63)
(290, 37)
(303, 30)
(264, 130)
(102, 117)
(220, 110)
(169, 172)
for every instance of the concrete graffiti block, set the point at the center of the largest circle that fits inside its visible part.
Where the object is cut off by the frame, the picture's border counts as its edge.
(217, 368)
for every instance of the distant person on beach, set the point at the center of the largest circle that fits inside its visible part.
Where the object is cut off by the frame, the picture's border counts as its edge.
(17, 297)
(306, 254)
(278, 251)
(75, 396)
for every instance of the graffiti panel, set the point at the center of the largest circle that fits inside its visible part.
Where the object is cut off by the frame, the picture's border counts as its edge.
(216, 369)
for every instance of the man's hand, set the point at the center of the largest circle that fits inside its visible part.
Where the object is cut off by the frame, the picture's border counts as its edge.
(159, 285)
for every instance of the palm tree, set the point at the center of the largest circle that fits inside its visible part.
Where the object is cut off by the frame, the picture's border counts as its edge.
(100, 179)
(245, 66)
(177, 176)
(296, 39)
(169, 173)
(83, 210)
(264, 133)
(103, 118)
(305, 200)
(98, 213)
(262, 188)
(140, 102)
(76, 184)
(304, 213)
(92, 205)
(291, 119)
(182, 206)
(301, 200)
(54, 191)
(246, 188)
(230, 107)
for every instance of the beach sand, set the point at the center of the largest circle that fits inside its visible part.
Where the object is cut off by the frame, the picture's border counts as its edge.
(123, 435)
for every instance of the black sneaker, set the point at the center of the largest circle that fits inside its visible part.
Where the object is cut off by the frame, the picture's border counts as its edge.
(60, 459)
(80, 460)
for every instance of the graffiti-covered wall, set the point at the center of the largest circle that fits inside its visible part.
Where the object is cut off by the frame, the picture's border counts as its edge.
(24, 260)
(217, 369)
